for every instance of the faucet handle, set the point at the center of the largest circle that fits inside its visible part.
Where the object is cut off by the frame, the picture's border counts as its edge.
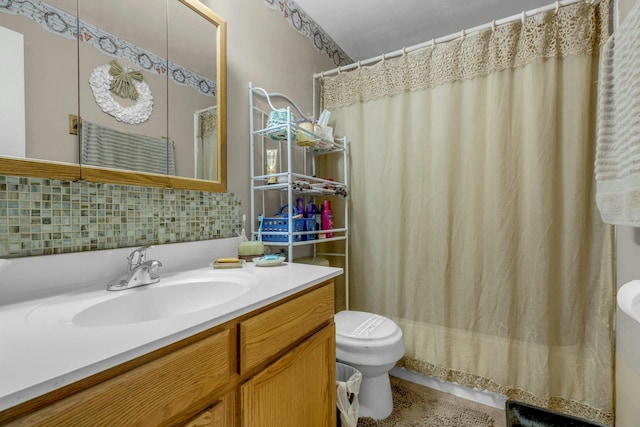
(153, 264)
(137, 257)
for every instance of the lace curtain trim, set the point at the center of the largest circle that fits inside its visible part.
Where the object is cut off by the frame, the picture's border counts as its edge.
(566, 406)
(574, 30)
(207, 123)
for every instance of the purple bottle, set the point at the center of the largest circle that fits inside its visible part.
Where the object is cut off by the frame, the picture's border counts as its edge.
(300, 206)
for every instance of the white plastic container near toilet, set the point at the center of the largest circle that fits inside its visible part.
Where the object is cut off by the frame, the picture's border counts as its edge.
(372, 344)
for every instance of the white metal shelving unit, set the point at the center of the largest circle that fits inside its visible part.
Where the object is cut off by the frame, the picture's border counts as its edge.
(297, 175)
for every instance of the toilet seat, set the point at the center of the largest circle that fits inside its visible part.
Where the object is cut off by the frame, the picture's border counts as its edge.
(360, 328)
(362, 325)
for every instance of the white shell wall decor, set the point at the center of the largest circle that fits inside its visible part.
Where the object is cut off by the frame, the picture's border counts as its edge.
(100, 81)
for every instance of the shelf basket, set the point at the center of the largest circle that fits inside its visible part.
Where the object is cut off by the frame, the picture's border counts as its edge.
(280, 224)
(278, 120)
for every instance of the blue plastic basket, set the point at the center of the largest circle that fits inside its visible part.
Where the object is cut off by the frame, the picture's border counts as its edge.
(280, 224)
(310, 225)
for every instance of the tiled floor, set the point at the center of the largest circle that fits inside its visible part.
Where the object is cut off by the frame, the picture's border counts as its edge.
(498, 415)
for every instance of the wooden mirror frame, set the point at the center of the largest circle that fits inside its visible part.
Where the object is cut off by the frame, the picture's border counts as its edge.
(74, 172)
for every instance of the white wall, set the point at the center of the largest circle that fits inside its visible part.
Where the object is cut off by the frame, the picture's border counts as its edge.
(12, 126)
(627, 378)
(262, 48)
(624, 6)
(628, 268)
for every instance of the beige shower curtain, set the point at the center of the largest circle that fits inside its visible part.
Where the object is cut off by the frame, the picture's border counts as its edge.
(473, 219)
(207, 144)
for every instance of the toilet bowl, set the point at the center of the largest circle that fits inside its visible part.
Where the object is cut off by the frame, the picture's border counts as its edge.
(372, 344)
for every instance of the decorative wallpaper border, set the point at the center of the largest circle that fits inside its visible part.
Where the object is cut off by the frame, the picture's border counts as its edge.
(308, 28)
(65, 24)
(40, 216)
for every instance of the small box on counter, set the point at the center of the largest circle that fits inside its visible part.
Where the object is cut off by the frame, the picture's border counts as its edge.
(228, 263)
(249, 250)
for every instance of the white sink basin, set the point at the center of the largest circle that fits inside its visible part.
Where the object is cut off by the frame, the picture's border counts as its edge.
(178, 295)
(629, 299)
(147, 304)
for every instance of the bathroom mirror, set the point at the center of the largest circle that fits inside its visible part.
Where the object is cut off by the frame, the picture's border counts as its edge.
(179, 47)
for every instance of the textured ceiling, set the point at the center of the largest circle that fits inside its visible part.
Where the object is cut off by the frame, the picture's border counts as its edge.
(368, 28)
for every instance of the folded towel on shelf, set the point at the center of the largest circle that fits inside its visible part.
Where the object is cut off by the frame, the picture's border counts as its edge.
(617, 164)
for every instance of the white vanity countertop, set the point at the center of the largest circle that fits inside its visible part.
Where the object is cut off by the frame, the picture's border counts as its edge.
(37, 357)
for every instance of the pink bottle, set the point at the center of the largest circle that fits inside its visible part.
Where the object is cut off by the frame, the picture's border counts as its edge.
(327, 217)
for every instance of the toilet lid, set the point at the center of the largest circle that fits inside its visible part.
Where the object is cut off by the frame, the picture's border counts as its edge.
(363, 325)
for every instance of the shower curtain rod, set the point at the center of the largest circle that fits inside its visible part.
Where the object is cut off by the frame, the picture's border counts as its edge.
(520, 16)
(213, 107)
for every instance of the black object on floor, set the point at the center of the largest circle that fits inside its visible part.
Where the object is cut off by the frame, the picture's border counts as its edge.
(521, 415)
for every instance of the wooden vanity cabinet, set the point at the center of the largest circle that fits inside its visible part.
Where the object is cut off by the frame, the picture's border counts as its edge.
(293, 391)
(267, 334)
(157, 392)
(298, 389)
(221, 413)
(272, 367)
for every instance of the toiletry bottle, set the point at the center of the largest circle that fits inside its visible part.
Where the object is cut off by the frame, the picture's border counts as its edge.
(272, 165)
(300, 206)
(319, 222)
(311, 211)
(327, 218)
(300, 211)
(311, 214)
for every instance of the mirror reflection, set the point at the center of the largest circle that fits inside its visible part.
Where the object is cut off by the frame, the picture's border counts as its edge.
(35, 107)
(142, 76)
(192, 108)
(123, 85)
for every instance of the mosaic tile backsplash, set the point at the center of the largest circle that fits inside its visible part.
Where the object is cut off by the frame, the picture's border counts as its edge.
(40, 216)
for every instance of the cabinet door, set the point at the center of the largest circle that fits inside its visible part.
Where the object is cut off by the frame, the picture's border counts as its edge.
(268, 334)
(296, 390)
(220, 414)
(155, 393)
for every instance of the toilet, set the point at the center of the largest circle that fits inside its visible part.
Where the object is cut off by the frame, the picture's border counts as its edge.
(372, 344)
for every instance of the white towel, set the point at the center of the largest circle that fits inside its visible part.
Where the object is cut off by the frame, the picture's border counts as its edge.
(617, 165)
(111, 148)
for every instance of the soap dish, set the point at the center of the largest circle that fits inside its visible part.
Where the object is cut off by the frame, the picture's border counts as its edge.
(268, 262)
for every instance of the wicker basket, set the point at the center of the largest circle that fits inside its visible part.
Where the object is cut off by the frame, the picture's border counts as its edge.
(277, 119)
(307, 134)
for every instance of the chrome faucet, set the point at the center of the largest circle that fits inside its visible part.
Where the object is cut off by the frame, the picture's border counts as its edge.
(140, 271)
